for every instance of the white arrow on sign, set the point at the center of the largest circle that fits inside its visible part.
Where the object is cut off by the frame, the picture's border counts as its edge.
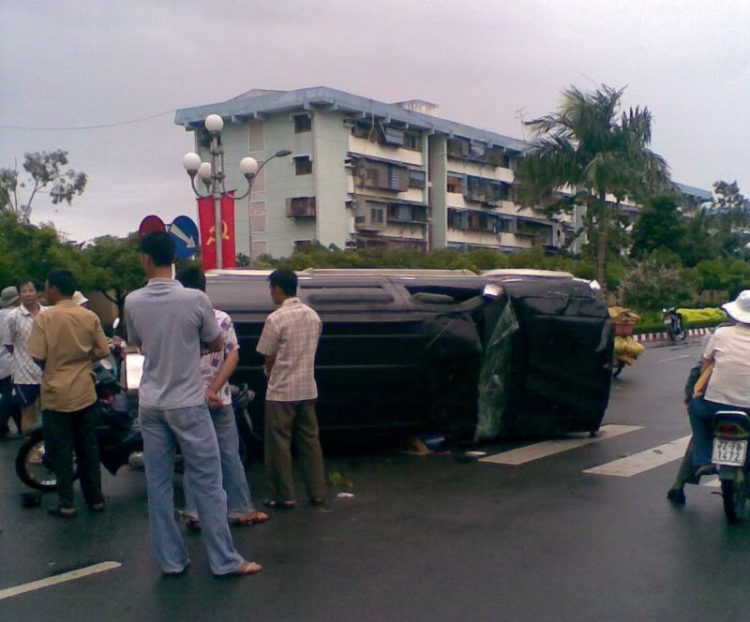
(189, 242)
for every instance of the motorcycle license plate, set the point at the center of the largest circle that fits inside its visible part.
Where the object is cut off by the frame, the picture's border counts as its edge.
(731, 453)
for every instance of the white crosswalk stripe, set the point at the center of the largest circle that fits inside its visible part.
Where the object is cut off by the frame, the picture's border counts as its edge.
(643, 461)
(522, 455)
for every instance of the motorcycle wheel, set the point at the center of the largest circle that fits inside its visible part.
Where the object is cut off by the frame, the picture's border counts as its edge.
(30, 466)
(734, 496)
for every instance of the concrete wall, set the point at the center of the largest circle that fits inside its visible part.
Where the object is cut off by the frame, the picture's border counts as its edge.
(366, 147)
(331, 147)
(488, 171)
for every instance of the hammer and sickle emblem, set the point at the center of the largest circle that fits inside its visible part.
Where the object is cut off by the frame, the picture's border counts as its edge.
(212, 233)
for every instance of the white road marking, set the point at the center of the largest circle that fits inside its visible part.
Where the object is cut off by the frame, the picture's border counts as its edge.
(643, 461)
(522, 455)
(714, 483)
(61, 578)
(675, 358)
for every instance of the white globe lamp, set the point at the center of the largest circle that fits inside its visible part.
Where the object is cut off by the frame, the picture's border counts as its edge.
(191, 162)
(204, 171)
(248, 166)
(214, 123)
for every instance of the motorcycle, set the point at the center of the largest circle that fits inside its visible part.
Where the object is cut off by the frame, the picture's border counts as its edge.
(674, 325)
(731, 436)
(117, 433)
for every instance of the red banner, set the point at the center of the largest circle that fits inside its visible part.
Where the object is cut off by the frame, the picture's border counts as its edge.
(207, 218)
(228, 251)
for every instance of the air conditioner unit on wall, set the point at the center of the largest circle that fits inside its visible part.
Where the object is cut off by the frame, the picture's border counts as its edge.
(300, 207)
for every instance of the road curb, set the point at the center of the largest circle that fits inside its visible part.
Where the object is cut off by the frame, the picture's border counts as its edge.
(648, 337)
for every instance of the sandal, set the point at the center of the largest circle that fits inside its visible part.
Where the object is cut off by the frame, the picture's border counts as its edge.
(247, 569)
(254, 518)
(280, 505)
(193, 524)
(63, 512)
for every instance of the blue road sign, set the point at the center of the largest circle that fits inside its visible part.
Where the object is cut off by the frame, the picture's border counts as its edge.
(184, 232)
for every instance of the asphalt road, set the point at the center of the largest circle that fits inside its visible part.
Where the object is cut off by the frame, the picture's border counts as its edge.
(423, 538)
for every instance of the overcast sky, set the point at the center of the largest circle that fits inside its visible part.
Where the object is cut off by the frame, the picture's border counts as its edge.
(89, 62)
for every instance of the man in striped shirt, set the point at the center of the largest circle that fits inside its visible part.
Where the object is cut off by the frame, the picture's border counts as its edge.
(289, 342)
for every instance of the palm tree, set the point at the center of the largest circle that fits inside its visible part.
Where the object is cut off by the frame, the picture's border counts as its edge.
(593, 147)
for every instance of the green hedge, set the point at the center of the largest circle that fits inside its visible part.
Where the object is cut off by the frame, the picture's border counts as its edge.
(653, 322)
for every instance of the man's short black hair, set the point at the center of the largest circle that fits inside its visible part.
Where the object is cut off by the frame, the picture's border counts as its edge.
(160, 247)
(286, 280)
(192, 277)
(63, 280)
(39, 287)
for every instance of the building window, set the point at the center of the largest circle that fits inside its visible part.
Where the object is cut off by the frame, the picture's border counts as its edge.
(458, 220)
(302, 244)
(455, 184)
(302, 123)
(376, 215)
(260, 248)
(416, 179)
(258, 216)
(256, 136)
(413, 141)
(303, 165)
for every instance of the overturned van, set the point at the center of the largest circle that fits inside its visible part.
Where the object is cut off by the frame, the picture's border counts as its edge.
(514, 353)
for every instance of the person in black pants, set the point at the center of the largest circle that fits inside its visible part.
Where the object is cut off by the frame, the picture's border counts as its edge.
(65, 341)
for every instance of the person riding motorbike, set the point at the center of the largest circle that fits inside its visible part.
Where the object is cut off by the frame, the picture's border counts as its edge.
(726, 364)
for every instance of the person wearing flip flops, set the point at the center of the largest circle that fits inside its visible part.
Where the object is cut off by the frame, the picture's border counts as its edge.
(217, 368)
(289, 342)
(173, 325)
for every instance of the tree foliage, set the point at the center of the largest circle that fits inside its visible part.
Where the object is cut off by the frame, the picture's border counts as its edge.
(596, 149)
(650, 285)
(660, 226)
(43, 170)
(115, 267)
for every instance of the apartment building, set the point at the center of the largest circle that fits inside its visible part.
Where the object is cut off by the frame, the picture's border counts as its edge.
(367, 174)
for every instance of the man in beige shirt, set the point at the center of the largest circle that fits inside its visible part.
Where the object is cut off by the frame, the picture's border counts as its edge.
(289, 342)
(65, 341)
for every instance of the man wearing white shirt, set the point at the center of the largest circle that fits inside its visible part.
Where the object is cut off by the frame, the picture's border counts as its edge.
(728, 351)
(9, 301)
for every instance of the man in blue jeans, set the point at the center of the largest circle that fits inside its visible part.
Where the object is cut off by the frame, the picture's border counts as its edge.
(217, 368)
(172, 325)
(728, 351)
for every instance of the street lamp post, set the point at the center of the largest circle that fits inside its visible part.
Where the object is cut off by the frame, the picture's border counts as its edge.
(213, 177)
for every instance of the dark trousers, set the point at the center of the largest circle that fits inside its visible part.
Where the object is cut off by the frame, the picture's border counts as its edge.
(65, 432)
(9, 409)
(286, 421)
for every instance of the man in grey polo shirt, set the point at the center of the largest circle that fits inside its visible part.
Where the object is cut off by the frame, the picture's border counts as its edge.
(172, 325)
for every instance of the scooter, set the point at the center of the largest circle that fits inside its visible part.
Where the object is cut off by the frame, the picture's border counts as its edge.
(117, 433)
(730, 455)
(673, 324)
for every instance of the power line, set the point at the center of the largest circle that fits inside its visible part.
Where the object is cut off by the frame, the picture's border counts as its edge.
(75, 128)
